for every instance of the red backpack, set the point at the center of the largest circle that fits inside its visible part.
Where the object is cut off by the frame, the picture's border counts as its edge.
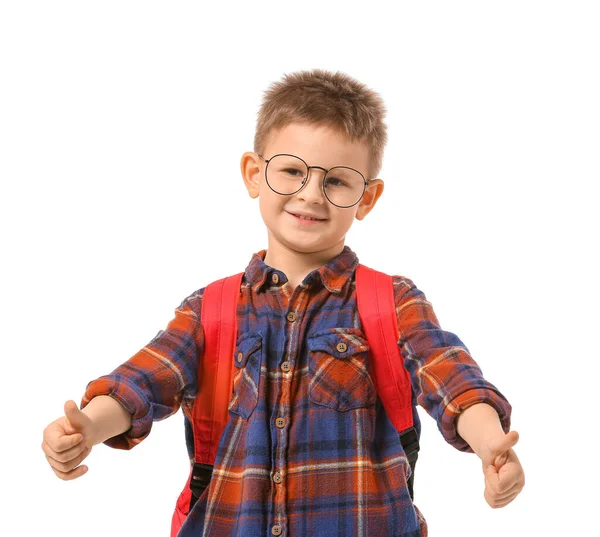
(377, 311)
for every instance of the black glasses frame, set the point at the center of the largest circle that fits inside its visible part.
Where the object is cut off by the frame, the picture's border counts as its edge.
(305, 180)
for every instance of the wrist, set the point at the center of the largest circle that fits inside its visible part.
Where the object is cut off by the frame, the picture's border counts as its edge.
(108, 418)
(478, 425)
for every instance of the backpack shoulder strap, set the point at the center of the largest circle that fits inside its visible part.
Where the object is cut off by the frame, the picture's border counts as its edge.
(377, 312)
(210, 413)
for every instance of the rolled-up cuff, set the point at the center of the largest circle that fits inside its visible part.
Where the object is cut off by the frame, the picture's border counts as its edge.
(463, 401)
(141, 411)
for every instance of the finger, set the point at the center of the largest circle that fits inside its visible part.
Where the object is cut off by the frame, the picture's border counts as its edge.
(58, 441)
(492, 480)
(501, 482)
(66, 467)
(501, 460)
(515, 489)
(65, 442)
(66, 455)
(502, 452)
(504, 458)
(73, 474)
(75, 417)
(497, 504)
(491, 474)
(69, 465)
(494, 501)
(509, 440)
(510, 473)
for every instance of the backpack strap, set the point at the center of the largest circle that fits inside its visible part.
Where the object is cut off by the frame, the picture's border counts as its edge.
(377, 312)
(215, 376)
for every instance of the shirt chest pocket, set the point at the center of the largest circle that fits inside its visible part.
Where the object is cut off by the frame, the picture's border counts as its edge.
(338, 367)
(246, 375)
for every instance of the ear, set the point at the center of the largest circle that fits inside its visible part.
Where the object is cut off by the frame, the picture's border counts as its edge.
(250, 166)
(369, 199)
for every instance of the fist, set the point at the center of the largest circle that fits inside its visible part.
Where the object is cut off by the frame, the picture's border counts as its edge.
(67, 442)
(504, 475)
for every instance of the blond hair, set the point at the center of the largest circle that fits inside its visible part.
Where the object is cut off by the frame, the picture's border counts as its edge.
(324, 97)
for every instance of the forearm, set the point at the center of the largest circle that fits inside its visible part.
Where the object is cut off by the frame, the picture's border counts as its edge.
(109, 416)
(476, 423)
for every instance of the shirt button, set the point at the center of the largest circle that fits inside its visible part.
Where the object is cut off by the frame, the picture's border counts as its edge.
(285, 366)
(342, 347)
(276, 530)
(240, 356)
(277, 478)
(291, 316)
(280, 422)
(275, 278)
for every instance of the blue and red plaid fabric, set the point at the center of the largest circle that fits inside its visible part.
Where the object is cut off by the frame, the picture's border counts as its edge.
(308, 450)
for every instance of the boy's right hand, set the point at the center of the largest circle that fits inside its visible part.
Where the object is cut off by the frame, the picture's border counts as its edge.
(67, 442)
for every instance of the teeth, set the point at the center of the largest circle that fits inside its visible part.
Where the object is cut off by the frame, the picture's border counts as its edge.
(306, 217)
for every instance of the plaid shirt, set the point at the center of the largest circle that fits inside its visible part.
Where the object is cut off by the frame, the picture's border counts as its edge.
(308, 449)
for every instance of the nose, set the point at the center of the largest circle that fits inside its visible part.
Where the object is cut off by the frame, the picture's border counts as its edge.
(312, 191)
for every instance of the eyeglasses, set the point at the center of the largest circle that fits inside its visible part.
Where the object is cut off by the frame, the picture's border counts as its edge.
(287, 174)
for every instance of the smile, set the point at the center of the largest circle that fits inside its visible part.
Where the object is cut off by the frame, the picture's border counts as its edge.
(306, 219)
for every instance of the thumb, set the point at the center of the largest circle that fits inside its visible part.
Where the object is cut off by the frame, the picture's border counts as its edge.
(503, 442)
(501, 449)
(76, 419)
(509, 440)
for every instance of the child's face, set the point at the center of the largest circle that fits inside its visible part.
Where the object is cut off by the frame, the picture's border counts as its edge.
(317, 145)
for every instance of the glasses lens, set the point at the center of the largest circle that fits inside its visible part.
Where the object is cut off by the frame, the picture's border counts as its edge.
(344, 187)
(286, 173)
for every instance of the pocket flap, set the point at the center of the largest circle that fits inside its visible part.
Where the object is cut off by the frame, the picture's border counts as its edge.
(246, 345)
(339, 342)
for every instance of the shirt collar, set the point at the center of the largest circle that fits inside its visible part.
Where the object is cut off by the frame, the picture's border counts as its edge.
(333, 275)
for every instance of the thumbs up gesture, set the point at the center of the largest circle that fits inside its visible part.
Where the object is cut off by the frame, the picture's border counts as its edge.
(504, 476)
(67, 442)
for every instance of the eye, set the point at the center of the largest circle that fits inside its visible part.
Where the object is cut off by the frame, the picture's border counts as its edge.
(334, 181)
(294, 172)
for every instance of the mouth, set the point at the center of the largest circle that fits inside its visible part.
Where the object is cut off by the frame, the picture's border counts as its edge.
(306, 219)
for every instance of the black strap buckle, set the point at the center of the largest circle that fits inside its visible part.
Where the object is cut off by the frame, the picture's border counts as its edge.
(201, 474)
(410, 442)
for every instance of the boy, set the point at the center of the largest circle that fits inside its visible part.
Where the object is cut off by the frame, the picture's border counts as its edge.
(298, 457)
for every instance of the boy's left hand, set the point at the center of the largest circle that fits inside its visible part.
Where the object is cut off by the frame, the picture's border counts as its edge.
(504, 476)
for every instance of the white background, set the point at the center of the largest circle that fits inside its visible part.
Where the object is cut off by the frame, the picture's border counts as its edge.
(121, 129)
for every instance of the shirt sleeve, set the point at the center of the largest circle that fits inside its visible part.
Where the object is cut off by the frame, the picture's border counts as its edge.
(152, 384)
(444, 377)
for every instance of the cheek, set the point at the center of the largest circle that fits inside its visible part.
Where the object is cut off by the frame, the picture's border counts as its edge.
(345, 217)
(268, 201)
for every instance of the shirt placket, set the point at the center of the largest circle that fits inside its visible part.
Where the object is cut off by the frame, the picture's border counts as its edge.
(294, 316)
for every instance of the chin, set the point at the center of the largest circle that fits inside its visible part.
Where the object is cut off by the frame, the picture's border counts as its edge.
(293, 243)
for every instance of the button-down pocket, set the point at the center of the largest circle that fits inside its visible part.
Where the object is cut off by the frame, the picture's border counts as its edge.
(339, 369)
(246, 379)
